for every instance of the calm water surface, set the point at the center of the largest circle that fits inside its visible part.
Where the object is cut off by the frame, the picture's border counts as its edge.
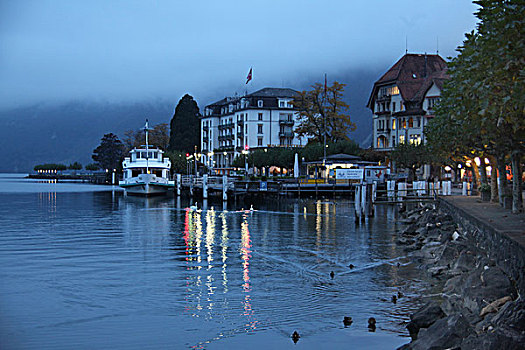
(84, 267)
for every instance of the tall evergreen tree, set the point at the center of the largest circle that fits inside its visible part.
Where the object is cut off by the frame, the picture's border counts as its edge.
(185, 126)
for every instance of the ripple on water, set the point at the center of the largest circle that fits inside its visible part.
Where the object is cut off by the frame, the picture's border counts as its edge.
(93, 270)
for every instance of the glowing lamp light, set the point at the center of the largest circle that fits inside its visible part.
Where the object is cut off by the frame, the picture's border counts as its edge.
(447, 168)
(459, 166)
(477, 160)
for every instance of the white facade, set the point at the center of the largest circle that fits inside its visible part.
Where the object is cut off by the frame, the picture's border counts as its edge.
(256, 121)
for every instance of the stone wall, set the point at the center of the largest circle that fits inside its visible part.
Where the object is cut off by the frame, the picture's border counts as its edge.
(482, 274)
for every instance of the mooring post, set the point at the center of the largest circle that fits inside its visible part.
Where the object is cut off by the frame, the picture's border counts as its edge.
(224, 187)
(370, 196)
(357, 203)
(179, 184)
(363, 202)
(205, 186)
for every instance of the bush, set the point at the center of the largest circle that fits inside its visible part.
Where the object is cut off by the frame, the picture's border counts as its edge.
(50, 166)
(92, 167)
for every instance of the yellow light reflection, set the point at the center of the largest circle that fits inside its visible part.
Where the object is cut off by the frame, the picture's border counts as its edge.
(318, 223)
(224, 252)
(245, 256)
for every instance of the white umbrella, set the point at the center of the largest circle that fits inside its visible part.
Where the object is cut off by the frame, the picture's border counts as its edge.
(296, 166)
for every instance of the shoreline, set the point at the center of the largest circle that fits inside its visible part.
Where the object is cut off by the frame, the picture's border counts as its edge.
(480, 272)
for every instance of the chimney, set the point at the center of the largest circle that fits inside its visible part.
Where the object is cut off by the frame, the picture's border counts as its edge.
(425, 71)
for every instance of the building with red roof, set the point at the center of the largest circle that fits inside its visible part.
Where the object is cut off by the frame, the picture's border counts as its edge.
(403, 99)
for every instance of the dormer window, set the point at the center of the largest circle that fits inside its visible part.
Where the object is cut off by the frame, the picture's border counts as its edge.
(281, 104)
(259, 103)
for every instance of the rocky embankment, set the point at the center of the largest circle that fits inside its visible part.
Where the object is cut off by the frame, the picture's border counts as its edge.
(481, 306)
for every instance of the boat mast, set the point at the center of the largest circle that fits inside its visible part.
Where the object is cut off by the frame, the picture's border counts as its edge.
(147, 153)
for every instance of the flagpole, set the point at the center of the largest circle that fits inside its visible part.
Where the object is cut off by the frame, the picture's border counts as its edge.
(324, 136)
(146, 128)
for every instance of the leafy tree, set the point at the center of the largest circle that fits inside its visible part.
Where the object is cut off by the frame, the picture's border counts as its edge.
(75, 166)
(185, 126)
(109, 153)
(50, 166)
(483, 103)
(239, 161)
(92, 167)
(410, 156)
(178, 162)
(158, 136)
(323, 112)
(371, 155)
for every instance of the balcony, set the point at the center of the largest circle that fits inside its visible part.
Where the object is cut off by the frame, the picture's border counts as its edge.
(225, 126)
(225, 149)
(286, 134)
(286, 122)
(383, 130)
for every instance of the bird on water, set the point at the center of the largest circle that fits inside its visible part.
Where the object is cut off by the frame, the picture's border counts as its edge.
(371, 324)
(295, 336)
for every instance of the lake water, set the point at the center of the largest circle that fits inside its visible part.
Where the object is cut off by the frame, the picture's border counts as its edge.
(85, 267)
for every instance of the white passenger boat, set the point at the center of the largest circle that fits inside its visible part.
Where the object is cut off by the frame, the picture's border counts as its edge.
(146, 170)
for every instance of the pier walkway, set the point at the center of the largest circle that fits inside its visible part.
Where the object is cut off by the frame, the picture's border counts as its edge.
(491, 215)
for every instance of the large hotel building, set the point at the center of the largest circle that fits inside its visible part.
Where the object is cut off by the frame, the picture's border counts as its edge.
(264, 118)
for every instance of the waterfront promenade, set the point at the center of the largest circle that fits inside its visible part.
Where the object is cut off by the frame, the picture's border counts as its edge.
(491, 215)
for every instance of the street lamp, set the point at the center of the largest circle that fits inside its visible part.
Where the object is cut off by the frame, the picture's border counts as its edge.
(210, 161)
(245, 152)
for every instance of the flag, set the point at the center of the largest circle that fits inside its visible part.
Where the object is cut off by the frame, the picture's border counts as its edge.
(249, 77)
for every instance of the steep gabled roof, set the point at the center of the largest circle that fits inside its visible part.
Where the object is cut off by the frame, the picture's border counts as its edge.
(413, 74)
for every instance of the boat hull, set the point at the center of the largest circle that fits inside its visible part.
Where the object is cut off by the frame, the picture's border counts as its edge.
(146, 185)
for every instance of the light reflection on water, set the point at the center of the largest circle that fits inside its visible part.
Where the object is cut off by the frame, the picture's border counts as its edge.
(97, 269)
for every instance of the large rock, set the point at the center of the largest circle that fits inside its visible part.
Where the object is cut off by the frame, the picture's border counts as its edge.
(512, 317)
(424, 318)
(443, 334)
(466, 261)
(493, 340)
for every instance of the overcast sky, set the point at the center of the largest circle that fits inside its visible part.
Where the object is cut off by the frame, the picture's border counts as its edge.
(127, 51)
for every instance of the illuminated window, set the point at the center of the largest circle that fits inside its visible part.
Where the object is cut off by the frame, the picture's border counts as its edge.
(382, 142)
(402, 139)
(393, 124)
(394, 90)
(404, 123)
(415, 139)
(410, 122)
(401, 106)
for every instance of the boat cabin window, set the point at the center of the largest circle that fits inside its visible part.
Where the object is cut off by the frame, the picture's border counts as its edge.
(147, 155)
